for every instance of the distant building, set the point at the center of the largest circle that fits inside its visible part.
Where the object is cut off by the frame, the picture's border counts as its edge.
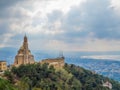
(24, 55)
(3, 65)
(107, 84)
(56, 62)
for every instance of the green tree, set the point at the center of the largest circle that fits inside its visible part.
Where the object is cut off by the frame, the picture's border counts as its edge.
(9, 76)
(5, 85)
(23, 84)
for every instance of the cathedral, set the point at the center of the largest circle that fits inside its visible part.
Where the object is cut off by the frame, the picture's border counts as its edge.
(24, 55)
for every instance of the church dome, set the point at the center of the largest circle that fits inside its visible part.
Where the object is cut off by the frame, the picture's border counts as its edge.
(21, 48)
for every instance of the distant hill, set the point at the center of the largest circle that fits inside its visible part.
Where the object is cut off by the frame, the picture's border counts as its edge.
(43, 77)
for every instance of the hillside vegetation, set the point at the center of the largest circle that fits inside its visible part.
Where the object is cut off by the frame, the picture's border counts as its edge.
(44, 77)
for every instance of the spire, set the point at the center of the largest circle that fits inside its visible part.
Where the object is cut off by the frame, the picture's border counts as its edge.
(25, 43)
(25, 38)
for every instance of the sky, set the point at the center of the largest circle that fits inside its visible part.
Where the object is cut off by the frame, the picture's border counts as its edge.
(61, 25)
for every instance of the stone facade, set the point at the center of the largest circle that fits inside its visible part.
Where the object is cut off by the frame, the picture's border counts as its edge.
(24, 55)
(3, 65)
(56, 62)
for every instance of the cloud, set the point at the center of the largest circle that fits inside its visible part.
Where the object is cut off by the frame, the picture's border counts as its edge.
(95, 17)
(77, 26)
(88, 26)
(91, 19)
(115, 4)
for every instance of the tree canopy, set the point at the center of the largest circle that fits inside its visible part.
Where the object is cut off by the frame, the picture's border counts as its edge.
(45, 77)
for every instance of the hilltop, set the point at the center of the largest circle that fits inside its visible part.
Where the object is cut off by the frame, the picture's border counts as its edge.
(45, 77)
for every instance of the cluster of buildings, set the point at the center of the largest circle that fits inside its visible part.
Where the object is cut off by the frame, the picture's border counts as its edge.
(24, 56)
